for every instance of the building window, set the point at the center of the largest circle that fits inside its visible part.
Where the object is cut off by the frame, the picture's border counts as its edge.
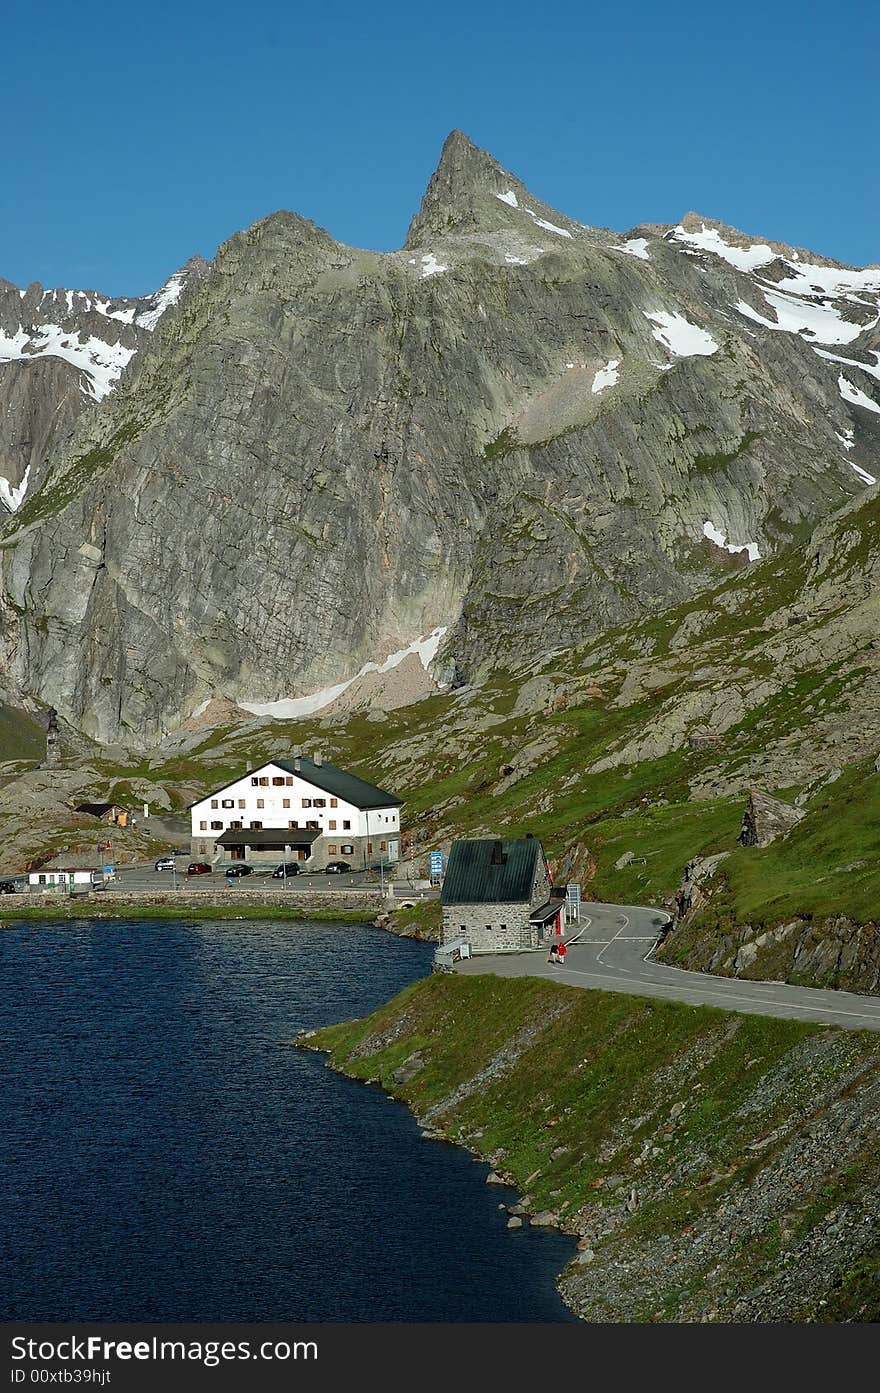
(264, 782)
(504, 928)
(285, 802)
(241, 802)
(331, 825)
(315, 826)
(214, 803)
(346, 825)
(300, 855)
(227, 803)
(307, 802)
(334, 802)
(383, 846)
(216, 826)
(288, 782)
(255, 826)
(277, 783)
(292, 824)
(332, 848)
(254, 783)
(261, 802)
(203, 826)
(370, 848)
(347, 850)
(319, 802)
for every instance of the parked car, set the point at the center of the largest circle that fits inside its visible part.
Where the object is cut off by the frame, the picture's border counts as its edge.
(285, 869)
(237, 868)
(165, 863)
(336, 867)
(7, 887)
(198, 868)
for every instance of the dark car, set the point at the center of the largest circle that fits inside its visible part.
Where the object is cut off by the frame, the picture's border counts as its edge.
(239, 868)
(198, 868)
(284, 870)
(336, 867)
(7, 887)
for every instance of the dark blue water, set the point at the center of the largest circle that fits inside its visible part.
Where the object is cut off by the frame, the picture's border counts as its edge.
(166, 1156)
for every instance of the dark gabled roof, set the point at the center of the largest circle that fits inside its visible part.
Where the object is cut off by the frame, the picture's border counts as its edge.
(473, 877)
(340, 784)
(271, 838)
(324, 776)
(95, 809)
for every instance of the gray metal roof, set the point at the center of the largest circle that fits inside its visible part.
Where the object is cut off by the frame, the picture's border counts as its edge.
(473, 877)
(341, 784)
(325, 776)
(269, 837)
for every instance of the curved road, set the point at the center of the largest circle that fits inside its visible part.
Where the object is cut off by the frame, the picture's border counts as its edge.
(610, 948)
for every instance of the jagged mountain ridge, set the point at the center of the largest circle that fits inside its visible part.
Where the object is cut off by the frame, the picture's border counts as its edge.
(516, 428)
(61, 351)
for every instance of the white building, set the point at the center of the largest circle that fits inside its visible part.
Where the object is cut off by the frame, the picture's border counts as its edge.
(301, 810)
(62, 877)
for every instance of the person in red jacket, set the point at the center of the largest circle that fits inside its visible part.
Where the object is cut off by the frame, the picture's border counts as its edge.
(561, 951)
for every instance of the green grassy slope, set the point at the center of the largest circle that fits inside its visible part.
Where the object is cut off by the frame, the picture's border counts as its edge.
(649, 1127)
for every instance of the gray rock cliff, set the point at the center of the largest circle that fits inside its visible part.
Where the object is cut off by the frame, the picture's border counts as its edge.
(517, 428)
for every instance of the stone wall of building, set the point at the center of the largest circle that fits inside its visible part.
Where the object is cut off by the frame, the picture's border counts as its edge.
(490, 928)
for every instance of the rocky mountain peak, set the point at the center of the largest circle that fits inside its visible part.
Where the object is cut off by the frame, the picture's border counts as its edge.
(469, 191)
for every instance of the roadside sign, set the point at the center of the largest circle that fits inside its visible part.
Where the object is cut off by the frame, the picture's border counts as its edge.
(436, 863)
(572, 902)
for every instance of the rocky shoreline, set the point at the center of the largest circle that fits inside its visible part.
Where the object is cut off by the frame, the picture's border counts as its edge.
(708, 1166)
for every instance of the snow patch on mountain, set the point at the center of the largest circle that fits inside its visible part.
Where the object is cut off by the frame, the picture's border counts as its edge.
(682, 338)
(714, 534)
(855, 396)
(606, 377)
(817, 323)
(549, 226)
(162, 300)
(709, 239)
(873, 369)
(424, 647)
(636, 246)
(101, 363)
(863, 474)
(847, 440)
(509, 198)
(12, 495)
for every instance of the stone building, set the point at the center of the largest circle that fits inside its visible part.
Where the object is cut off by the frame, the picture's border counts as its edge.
(498, 896)
(302, 810)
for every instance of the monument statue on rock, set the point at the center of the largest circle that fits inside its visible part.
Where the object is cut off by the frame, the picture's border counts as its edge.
(53, 741)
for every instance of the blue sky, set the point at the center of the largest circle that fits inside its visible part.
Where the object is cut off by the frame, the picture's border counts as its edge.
(136, 135)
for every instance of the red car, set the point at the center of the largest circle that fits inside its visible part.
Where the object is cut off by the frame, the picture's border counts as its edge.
(198, 868)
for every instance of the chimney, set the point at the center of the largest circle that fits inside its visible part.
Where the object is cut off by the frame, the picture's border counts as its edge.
(319, 759)
(297, 764)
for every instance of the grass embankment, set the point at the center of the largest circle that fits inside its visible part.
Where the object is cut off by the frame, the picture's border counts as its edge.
(73, 909)
(421, 920)
(638, 1123)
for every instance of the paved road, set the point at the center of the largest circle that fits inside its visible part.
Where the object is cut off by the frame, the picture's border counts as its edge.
(131, 879)
(609, 949)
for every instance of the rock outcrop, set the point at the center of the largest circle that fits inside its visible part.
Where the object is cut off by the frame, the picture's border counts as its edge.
(767, 818)
(516, 428)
